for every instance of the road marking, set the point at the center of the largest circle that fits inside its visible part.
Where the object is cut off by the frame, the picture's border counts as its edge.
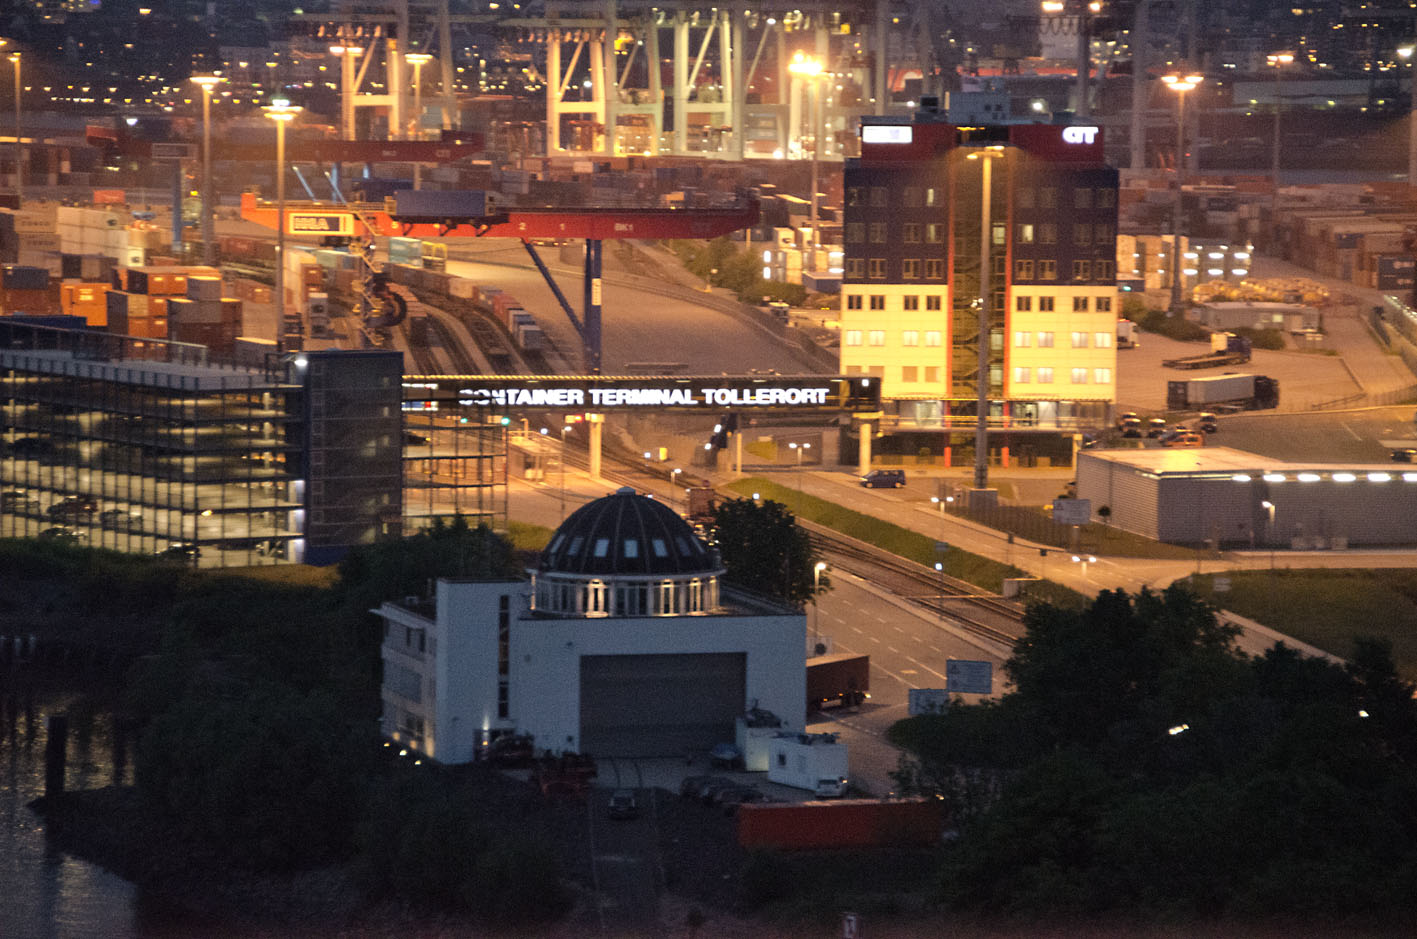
(1356, 435)
(893, 648)
(909, 671)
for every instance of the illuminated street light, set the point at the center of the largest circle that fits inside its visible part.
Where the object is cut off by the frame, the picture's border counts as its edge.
(1277, 61)
(800, 448)
(207, 83)
(1179, 84)
(808, 68)
(1084, 13)
(1406, 53)
(282, 112)
(816, 585)
(986, 157)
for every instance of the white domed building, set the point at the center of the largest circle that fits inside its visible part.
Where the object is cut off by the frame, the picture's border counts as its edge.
(622, 643)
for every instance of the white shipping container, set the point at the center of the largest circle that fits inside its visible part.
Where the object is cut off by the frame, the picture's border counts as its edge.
(49, 260)
(462, 288)
(804, 760)
(36, 241)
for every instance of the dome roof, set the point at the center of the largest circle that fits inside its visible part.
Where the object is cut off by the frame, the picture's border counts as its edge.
(627, 534)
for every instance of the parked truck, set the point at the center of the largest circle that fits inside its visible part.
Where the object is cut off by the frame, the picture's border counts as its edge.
(838, 679)
(1225, 349)
(1127, 334)
(1239, 392)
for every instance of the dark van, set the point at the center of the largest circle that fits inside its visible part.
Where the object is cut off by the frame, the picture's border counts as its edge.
(884, 479)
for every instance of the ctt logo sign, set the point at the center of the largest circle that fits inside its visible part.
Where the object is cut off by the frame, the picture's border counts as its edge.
(1079, 134)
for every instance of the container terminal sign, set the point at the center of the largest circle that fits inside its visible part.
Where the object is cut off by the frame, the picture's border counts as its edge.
(340, 224)
(600, 394)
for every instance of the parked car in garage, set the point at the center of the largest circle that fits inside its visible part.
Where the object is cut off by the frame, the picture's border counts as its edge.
(73, 508)
(623, 804)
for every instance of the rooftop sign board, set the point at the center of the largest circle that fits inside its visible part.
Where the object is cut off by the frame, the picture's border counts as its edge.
(800, 392)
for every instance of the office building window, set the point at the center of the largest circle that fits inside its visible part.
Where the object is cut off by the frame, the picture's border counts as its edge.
(910, 269)
(877, 337)
(910, 302)
(932, 373)
(1079, 376)
(1082, 198)
(878, 233)
(855, 233)
(911, 337)
(1106, 198)
(1102, 376)
(1079, 340)
(855, 267)
(853, 337)
(1045, 375)
(910, 233)
(1022, 339)
(1045, 304)
(1023, 270)
(932, 337)
(910, 373)
(1102, 340)
(1104, 270)
(878, 196)
(934, 233)
(1047, 198)
(1047, 269)
(1047, 234)
(1023, 304)
(855, 195)
(934, 268)
(876, 371)
(999, 266)
(853, 301)
(1103, 304)
(877, 269)
(1045, 340)
(1022, 375)
(1000, 302)
(878, 301)
(1102, 234)
(1082, 234)
(932, 196)
(1023, 198)
(1001, 234)
(910, 197)
(1079, 304)
(932, 302)
(1082, 270)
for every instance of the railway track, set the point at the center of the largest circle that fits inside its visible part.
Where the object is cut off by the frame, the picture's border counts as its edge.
(985, 615)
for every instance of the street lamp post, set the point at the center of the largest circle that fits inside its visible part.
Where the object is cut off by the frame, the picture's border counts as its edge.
(800, 448)
(986, 158)
(1179, 84)
(1269, 529)
(809, 68)
(1277, 61)
(207, 83)
(282, 112)
(417, 60)
(816, 585)
(1406, 53)
(346, 55)
(19, 137)
(1084, 12)
(940, 568)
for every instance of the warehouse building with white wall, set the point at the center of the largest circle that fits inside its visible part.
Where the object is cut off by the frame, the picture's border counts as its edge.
(1231, 498)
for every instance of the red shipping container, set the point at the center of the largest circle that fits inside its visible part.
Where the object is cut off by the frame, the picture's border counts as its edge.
(850, 823)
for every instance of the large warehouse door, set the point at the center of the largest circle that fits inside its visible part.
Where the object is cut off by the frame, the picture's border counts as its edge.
(659, 705)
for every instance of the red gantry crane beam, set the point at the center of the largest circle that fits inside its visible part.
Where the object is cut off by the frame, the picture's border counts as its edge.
(319, 220)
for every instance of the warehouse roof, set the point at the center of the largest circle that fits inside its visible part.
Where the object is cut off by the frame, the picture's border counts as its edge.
(1209, 461)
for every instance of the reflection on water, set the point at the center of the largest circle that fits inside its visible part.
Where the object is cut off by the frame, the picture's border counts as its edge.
(44, 892)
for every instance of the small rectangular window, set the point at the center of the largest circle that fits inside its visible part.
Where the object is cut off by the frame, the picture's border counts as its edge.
(1048, 198)
(855, 267)
(855, 233)
(1023, 304)
(853, 337)
(1079, 304)
(1045, 375)
(910, 373)
(877, 269)
(878, 301)
(878, 233)
(853, 301)
(1082, 234)
(1082, 270)
(910, 197)
(1023, 198)
(1102, 304)
(878, 196)
(911, 337)
(932, 196)
(1079, 376)
(1021, 375)
(910, 233)
(855, 195)
(932, 373)
(661, 550)
(934, 233)
(1082, 198)
(932, 337)
(932, 302)
(934, 268)
(910, 269)
(877, 337)
(1045, 304)
(910, 302)
(1102, 376)
(1045, 340)
(1023, 339)
(602, 547)
(1102, 340)
(632, 547)
(1047, 269)
(1079, 340)
(1023, 269)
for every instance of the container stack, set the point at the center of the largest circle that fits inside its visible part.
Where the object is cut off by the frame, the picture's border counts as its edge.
(27, 290)
(77, 298)
(205, 317)
(138, 304)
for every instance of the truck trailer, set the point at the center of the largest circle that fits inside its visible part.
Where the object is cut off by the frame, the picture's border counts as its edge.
(838, 679)
(1243, 392)
(1225, 349)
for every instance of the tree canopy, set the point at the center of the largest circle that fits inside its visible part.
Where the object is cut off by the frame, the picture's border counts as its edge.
(764, 550)
(1143, 763)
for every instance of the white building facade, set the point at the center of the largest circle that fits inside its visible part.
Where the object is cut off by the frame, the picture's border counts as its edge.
(620, 644)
